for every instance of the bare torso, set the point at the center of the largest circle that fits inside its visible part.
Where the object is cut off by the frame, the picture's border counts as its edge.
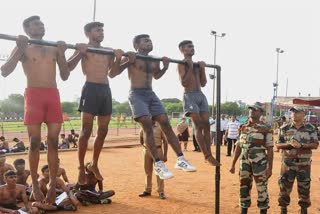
(3, 169)
(10, 196)
(96, 66)
(39, 65)
(194, 82)
(141, 73)
(60, 172)
(22, 177)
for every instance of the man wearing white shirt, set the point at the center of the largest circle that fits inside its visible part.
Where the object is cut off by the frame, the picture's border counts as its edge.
(231, 133)
(223, 128)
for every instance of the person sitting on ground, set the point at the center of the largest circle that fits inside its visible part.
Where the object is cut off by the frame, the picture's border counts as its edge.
(62, 172)
(73, 138)
(18, 147)
(4, 145)
(4, 166)
(69, 201)
(10, 192)
(22, 174)
(64, 143)
(87, 193)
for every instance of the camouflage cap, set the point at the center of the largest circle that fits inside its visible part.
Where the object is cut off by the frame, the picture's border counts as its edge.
(256, 105)
(297, 108)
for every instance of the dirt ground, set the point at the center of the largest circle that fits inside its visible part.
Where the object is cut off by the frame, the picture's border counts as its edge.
(192, 192)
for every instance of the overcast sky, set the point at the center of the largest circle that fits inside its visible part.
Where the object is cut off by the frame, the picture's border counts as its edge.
(247, 53)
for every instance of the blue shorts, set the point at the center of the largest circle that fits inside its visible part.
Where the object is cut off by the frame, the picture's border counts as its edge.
(144, 102)
(194, 102)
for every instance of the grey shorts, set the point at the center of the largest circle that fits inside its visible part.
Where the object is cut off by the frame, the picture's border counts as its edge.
(96, 99)
(194, 102)
(144, 102)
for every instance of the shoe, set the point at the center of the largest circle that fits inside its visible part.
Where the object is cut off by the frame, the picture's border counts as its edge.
(144, 194)
(161, 170)
(162, 195)
(184, 165)
(284, 210)
(244, 210)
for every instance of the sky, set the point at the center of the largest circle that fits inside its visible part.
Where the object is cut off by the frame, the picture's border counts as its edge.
(247, 54)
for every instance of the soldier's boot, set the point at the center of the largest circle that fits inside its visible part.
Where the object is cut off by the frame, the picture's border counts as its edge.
(244, 210)
(263, 211)
(284, 210)
(304, 210)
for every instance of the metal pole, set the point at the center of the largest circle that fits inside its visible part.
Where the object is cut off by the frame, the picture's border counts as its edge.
(214, 74)
(94, 10)
(277, 74)
(100, 50)
(218, 140)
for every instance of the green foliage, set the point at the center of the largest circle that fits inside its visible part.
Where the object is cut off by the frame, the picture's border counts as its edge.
(13, 104)
(71, 108)
(231, 108)
(171, 100)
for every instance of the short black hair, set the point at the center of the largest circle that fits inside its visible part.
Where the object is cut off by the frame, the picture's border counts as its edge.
(44, 168)
(19, 162)
(88, 27)
(137, 38)
(184, 42)
(9, 173)
(62, 135)
(27, 21)
(2, 138)
(16, 140)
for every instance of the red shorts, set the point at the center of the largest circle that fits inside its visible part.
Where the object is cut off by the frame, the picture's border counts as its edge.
(42, 105)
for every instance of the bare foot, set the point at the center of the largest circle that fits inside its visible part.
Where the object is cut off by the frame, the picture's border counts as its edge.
(81, 177)
(36, 194)
(51, 194)
(94, 169)
(212, 161)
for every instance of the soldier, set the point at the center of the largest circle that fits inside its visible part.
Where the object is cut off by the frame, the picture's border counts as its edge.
(296, 139)
(254, 140)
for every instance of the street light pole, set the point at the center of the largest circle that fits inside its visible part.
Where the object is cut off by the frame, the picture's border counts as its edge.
(213, 76)
(275, 86)
(94, 10)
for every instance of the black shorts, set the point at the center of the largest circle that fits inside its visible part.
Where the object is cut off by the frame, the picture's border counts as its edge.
(96, 99)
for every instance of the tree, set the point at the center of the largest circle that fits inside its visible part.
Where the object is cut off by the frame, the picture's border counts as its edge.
(69, 107)
(231, 108)
(14, 104)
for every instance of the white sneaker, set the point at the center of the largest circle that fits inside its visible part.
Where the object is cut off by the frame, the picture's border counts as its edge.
(161, 170)
(183, 164)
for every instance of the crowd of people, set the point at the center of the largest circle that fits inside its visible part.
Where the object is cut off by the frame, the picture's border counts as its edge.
(17, 147)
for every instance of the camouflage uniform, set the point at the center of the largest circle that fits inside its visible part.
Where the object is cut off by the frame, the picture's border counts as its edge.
(253, 139)
(296, 163)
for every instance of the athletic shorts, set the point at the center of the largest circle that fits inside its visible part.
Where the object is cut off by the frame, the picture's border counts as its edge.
(42, 105)
(96, 99)
(194, 102)
(144, 102)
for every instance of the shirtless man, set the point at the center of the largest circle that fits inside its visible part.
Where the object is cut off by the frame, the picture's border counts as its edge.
(62, 172)
(4, 145)
(145, 104)
(195, 103)
(96, 99)
(10, 192)
(59, 188)
(4, 167)
(22, 172)
(42, 101)
(88, 192)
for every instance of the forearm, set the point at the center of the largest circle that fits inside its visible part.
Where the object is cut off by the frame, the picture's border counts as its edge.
(5, 210)
(115, 69)
(310, 146)
(270, 157)
(283, 146)
(63, 66)
(203, 78)
(237, 153)
(8, 67)
(100, 186)
(74, 60)
(160, 73)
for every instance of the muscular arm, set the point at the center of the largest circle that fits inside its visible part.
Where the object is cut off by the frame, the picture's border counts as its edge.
(203, 78)
(63, 66)
(118, 67)
(185, 74)
(9, 66)
(74, 60)
(159, 72)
